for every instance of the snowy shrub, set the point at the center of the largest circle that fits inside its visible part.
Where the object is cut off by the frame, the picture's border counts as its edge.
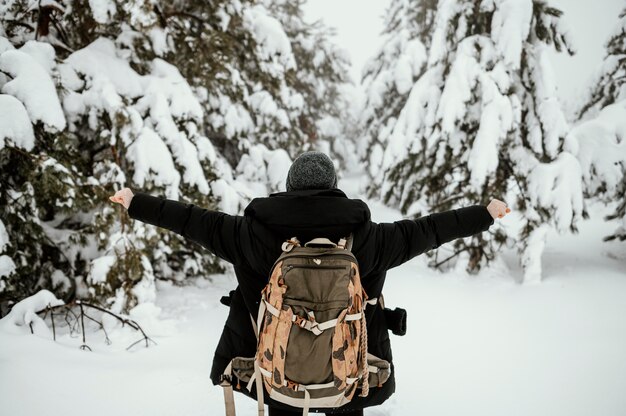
(44, 315)
(480, 120)
(24, 313)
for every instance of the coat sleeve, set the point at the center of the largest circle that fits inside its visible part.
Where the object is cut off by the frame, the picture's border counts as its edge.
(213, 230)
(402, 240)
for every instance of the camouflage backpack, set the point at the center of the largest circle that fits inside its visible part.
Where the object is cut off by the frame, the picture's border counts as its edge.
(311, 330)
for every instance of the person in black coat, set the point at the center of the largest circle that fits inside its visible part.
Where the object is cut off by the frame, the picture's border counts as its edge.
(311, 207)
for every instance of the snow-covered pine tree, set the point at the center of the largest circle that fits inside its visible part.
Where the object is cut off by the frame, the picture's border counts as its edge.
(143, 91)
(321, 76)
(98, 124)
(389, 76)
(238, 56)
(610, 84)
(483, 121)
(31, 119)
(602, 133)
(283, 76)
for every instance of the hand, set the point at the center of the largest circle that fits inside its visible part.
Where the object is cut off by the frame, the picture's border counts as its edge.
(497, 208)
(123, 196)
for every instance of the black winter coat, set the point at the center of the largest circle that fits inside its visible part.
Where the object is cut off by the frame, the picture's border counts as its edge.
(252, 243)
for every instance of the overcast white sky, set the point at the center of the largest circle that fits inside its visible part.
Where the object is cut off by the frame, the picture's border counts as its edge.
(359, 24)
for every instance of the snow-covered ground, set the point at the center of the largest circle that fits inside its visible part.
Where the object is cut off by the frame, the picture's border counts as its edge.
(476, 345)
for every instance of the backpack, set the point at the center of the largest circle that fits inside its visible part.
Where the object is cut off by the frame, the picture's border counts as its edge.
(311, 331)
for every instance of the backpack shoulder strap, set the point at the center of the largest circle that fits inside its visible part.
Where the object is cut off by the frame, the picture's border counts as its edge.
(290, 244)
(346, 242)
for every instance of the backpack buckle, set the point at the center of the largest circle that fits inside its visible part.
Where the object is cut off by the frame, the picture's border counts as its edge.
(300, 321)
(290, 244)
(225, 380)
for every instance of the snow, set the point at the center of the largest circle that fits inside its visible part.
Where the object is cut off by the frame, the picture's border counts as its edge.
(206, 151)
(459, 85)
(531, 257)
(60, 280)
(480, 344)
(403, 75)
(42, 52)
(278, 164)
(590, 28)
(554, 124)
(329, 127)
(7, 266)
(100, 267)
(152, 160)
(417, 55)
(33, 86)
(230, 199)
(24, 313)
(145, 290)
(100, 65)
(141, 13)
(269, 33)
(497, 118)
(509, 29)
(262, 102)
(555, 186)
(15, 125)
(446, 10)
(237, 120)
(265, 166)
(5, 45)
(159, 40)
(377, 89)
(182, 101)
(102, 10)
(168, 99)
(4, 237)
(150, 316)
(602, 148)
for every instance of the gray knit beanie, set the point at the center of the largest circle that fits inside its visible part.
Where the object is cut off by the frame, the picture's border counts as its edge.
(311, 170)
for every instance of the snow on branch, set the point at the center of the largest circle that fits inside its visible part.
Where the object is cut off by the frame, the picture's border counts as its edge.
(15, 125)
(269, 33)
(33, 86)
(602, 149)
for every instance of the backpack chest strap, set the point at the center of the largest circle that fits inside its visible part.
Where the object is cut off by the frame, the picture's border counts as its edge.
(310, 323)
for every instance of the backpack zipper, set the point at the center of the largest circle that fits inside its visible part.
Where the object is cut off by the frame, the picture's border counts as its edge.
(312, 266)
(300, 255)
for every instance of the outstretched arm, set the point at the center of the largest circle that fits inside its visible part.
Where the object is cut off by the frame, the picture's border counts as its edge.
(213, 230)
(402, 240)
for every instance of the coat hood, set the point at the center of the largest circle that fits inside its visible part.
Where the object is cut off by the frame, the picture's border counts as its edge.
(303, 213)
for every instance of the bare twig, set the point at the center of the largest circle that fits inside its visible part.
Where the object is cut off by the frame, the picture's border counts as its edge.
(82, 325)
(73, 320)
(54, 332)
(456, 253)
